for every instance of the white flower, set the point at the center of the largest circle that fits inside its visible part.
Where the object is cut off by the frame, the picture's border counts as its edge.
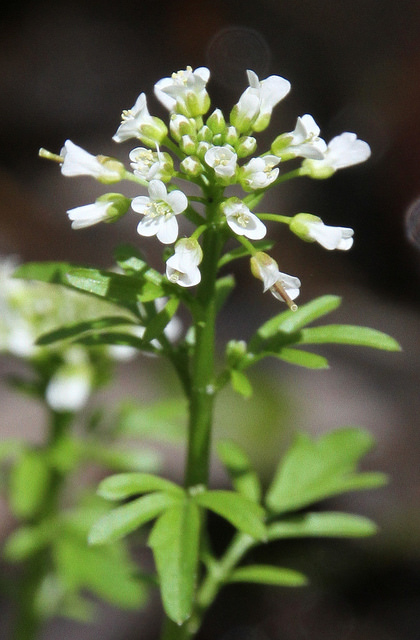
(281, 285)
(242, 221)
(185, 91)
(258, 101)
(107, 208)
(69, 388)
(312, 229)
(159, 210)
(222, 160)
(78, 162)
(343, 151)
(138, 123)
(303, 141)
(258, 173)
(149, 164)
(182, 267)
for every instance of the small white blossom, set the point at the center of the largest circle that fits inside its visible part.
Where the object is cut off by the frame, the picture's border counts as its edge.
(303, 141)
(222, 160)
(258, 173)
(312, 229)
(88, 214)
(159, 210)
(78, 162)
(282, 286)
(185, 91)
(257, 102)
(138, 123)
(343, 151)
(148, 164)
(182, 267)
(242, 221)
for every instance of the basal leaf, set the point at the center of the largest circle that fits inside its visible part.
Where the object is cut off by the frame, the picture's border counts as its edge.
(242, 513)
(348, 334)
(126, 485)
(124, 519)
(326, 524)
(244, 478)
(175, 542)
(78, 328)
(314, 470)
(266, 574)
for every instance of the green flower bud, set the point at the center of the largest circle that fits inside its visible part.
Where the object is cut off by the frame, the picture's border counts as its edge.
(153, 132)
(245, 146)
(316, 169)
(119, 205)
(231, 136)
(182, 126)
(205, 134)
(188, 145)
(280, 143)
(235, 352)
(299, 225)
(191, 166)
(217, 122)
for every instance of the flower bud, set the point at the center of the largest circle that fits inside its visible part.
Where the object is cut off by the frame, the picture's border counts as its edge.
(205, 134)
(245, 146)
(188, 145)
(216, 122)
(231, 136)
(191, 166)
(118, 205)
(181, 125)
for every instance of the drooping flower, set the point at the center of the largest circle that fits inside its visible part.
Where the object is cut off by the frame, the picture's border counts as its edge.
(242, 221)
(107, 208)
(259, 173)
(149, 165)
(138, 123)
(78, 162)
(343, 151)
(222, 160)
(257, 102)
(282, 286)
(311, 229)
(185, 92)
(159, 210)
(303, 141)
(182, 267)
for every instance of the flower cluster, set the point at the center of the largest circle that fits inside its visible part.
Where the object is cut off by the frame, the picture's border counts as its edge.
(210, 152)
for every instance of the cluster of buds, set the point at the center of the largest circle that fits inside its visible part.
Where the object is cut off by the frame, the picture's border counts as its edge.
(213, 153)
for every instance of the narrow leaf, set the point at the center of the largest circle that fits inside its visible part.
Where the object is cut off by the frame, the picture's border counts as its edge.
(323, 524)
(266, 574)
(29, 482)
(242, 513)
(301, 358)
(158, 323)
(240, 470)
(165, 419)
(240, 383)
(53, 272)
(126, 485)
(175, 542)
(349, 334)
(123, 520)
(78, 328)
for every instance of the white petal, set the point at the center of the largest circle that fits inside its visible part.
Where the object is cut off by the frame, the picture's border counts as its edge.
(168, 231)
(139, 204)
(157, 190)
(149, 226)
(178, 201)
(273, 89)
(167, 101)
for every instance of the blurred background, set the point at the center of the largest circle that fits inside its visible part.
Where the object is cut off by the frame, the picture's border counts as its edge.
(67, 69)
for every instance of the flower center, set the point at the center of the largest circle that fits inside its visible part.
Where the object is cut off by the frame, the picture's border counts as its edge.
(159, 208)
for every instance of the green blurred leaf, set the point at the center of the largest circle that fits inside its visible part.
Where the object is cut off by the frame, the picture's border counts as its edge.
(314, 470)
(53, 272)
(156, 326)
(243, 476)
(25, 541)
(324, 524)
(348, 334)
(126, 485)
(295, 356)
(242, 513)
(119, 459)
(28, 484)
(266, 574)
(175, 542)
(163, 420)
(78, 328)
(240, 383)
(224, 287)
(131, 260)
(124, 519)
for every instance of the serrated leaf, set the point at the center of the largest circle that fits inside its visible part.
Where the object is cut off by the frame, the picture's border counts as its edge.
(156, 326)
(175, 543)
(326, 524)
(28, 484)
(349, 334)
(266, 574)
(78, 328)
(243, 476)
(240, 383)
(289, 322)
(124, 519)
(126, 485)
(314, 470)
(242, 513)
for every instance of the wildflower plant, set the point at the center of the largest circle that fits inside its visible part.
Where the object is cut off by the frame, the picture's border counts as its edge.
(189, 171)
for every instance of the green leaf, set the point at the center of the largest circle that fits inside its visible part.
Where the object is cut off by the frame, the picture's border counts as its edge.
(78, 328)
(53, 272)
(349, 334)
(163, 420)
(312, 471)
(266, 574)
(242, 513)
(298, 357)
(29, 483)
(240, 383)
(25, 541)
(124, 519)
(126, 485)
(175, 543)
(242, 252)
(326, 524)
(224, 287)
(131, 261)
(240, 470)
(289, 322)
(156, 326)
(123, 459)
